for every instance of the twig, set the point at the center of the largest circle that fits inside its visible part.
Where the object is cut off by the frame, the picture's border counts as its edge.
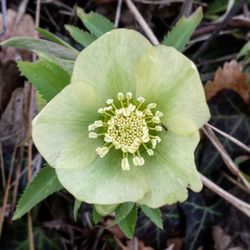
(219, 27)
(7, 189)
(2, 165)
(20, 12)
(225, 156)
(230, 138)
(118, 13)
(30, 144)
(228, 177)
(142, 22)
(4, 18)
(242, 206)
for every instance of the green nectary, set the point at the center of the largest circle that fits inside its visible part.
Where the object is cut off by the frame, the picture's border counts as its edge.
(130, 106)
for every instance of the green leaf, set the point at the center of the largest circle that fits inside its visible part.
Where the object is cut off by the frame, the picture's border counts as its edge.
(65, 64)
(39, 45)
(95, 23)
(48, 78)
(245, 51)
(122, 211)
(77, 205)
(51, 37)
(153, 214)
(181, 33)
(81, 36)
(127, 225)
(43, 185)
(96, 216)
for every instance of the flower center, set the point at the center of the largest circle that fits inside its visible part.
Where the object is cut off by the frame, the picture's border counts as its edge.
(128, 125)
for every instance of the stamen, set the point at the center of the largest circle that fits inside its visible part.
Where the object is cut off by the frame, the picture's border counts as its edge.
(109, 101)
(136, 161)
(98, 124)
(141, 99)
(91, 127)
(128, 128)
(120, 96)
(158, 128)
(125, 164)
(150, 152)
(102, 151)
(129, 95)
(156, 119)
(151, 106)
(158, 114)
(93, 135)
(108, 138)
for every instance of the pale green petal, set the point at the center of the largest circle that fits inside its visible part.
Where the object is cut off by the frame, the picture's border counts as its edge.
(60, 130)
(104, 182)
(168, 78)
(109, 62)
(171, 170)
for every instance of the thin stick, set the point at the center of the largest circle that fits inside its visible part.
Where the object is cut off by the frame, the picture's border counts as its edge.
(225, 156)
(118, 13)
(242, 206)
(2, 165)
(142, 22)
(230, 138)
(30, 145)
(7, 189)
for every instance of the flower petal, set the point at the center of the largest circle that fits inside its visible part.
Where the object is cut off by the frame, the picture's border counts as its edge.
(171, 170)
(104, 182)
(168, 78)
(60, 130)
(108, 62)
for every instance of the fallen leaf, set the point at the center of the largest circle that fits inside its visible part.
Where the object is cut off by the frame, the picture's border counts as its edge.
(229, 77)
(175, 243)
(221, 239)
(139, 245)
(26, 27)
(9, 80)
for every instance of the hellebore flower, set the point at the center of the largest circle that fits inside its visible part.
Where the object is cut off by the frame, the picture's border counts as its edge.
(126, 127)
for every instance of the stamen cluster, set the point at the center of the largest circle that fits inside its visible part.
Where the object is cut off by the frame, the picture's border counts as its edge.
(128, 125)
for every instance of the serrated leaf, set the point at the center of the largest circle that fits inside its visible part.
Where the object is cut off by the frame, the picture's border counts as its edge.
(96, 216)
(65, 64)
(77, 205)
(48, 78)
(43, 185)
(181, 33)
(245, 51)
(122, 211)
(154, 215)
(127, 225)
(39, 45)
(79, 35)
(95, 23)
(53, 38)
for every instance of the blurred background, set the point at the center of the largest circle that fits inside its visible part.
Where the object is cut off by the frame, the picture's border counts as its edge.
(219, 47)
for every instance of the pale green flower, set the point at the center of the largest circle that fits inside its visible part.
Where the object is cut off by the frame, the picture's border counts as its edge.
(126, 127)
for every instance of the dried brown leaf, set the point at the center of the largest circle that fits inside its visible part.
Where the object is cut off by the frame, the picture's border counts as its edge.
(26, 27)
(221, 239)
(229, 77)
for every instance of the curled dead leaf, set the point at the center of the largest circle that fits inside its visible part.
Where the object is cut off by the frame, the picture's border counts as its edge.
(229, 77)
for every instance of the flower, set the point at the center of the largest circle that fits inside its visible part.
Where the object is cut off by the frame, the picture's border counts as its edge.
(126, 127)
